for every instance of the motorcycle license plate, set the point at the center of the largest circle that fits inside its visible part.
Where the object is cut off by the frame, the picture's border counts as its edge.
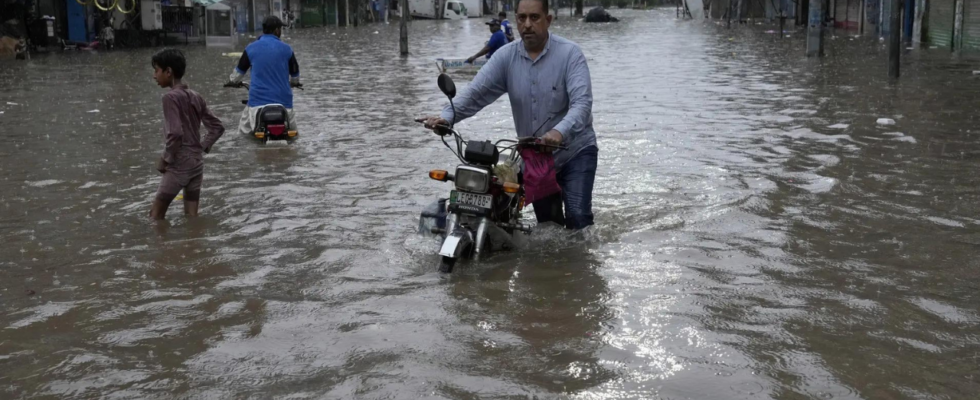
(479, 200)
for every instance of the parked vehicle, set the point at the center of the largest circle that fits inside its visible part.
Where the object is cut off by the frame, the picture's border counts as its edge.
(437, 9)
(474, 8)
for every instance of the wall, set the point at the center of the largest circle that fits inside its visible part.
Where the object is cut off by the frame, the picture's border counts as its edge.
(847, 14)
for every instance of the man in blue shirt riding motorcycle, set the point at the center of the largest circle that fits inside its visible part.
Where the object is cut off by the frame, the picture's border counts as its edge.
(275, 72)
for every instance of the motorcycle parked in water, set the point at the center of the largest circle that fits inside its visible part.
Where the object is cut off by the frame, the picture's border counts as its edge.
(271, 120)
(483, 211)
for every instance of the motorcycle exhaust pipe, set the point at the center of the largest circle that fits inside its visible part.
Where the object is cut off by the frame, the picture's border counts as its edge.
(521, 227)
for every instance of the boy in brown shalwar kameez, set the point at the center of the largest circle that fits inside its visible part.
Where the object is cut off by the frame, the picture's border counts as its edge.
(182, 163)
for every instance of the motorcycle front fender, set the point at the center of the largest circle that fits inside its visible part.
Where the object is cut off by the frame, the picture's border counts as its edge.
(456, 243)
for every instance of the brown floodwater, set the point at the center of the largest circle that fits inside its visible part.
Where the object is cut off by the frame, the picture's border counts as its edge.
(758, 234)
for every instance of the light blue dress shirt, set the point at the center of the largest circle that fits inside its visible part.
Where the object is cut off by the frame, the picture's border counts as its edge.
(552, 92)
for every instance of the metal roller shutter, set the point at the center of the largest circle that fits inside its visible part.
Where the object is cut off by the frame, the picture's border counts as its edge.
(311, 13)
(971, 25)
(940, 30)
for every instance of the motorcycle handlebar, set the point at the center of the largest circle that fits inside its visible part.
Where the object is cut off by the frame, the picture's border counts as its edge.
(532, 142)
(441, 130)
(538, 143)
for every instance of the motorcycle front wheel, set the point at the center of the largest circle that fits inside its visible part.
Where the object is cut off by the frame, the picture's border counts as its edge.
(447, 264)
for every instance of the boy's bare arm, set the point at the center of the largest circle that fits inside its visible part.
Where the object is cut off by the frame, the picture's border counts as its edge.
(213, 125)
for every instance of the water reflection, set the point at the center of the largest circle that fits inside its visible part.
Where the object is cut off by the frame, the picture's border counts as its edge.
(538, 324)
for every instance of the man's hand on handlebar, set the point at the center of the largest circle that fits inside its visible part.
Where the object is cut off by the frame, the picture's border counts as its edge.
(233, 84)
(542, 144)
(553, 139)
(438, 125)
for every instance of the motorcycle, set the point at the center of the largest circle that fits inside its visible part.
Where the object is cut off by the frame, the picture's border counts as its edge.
(271, 120)
(483, 211)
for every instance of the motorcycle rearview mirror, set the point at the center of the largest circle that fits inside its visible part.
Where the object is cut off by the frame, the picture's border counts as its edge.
(447, 86)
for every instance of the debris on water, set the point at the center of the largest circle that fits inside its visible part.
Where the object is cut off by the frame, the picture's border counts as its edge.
(839, 126)
(886, 121)
(29, 292)
(93, 111)
(976, 72)
(375, 32)
(10, 103)
(770, 31)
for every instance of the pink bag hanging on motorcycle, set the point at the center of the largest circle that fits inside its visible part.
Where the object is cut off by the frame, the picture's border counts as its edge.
(540, 175)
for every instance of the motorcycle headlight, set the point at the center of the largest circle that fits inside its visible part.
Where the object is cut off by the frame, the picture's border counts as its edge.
(472, 179)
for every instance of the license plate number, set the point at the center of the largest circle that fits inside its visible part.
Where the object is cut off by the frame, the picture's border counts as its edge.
(479, 200)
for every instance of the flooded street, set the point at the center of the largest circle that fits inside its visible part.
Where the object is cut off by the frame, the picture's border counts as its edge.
(758, 234)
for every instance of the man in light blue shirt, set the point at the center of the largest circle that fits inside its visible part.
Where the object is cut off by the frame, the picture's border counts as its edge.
(547, 80)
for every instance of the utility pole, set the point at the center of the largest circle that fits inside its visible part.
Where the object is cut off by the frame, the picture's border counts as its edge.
(814, 32)
(861, 17)
(403, 28)
(920, 8)
(782, 21)
(895, 39)
(729, 14)
(958, 27)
